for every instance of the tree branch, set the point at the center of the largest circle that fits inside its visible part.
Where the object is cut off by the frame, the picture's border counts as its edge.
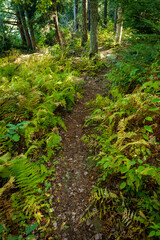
(10, 23)
(7, 12)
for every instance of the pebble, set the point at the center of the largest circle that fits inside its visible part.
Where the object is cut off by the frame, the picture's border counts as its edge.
(113, 230)
(55, 224)
(64, 235)
(91, 226)
(81, 158)
(98, 236)
(81, 190)
(88, 222)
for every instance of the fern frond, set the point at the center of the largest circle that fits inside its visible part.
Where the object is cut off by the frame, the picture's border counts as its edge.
(121, 129)
(7, 186)
(26, 174)
(140, 142)
(52, 141)
(98, 204)
(128, 216)
(31, 148)
(32, 205)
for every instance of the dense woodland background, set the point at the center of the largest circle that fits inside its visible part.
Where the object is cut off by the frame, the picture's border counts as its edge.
(45, 46)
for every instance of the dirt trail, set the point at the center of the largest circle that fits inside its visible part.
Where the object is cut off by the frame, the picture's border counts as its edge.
(72, 172)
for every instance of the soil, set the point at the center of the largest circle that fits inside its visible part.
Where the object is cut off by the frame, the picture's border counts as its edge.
(74, 177)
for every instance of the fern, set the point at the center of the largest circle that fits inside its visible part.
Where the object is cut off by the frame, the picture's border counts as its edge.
(32, 206)
(150, 87)
(129, 217)
(52, 141)
(9, 185)
(153, 25)
(99, 200)
(125, 145)
(27, 176)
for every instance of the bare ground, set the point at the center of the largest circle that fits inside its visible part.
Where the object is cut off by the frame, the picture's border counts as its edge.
(74, 179)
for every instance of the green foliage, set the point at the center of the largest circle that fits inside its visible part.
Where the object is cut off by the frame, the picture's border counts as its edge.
(27, 177)
(33, 94)
(29, 229)
(106, 36)
(36, 96)
(138, 14)
(139, 64)
(90, 66)
(15, 131)
(126, 143)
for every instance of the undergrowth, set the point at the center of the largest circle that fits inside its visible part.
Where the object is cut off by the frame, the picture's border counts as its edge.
(33, 94)
(35, 90)
(125, 145)
(138, 63)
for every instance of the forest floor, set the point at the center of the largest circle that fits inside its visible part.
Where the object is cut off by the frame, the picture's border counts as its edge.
(76, 187)
(74, 177)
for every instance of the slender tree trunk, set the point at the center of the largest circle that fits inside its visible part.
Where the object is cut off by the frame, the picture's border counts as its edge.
(75, 15)
(119, 26)
(25, 29)
(84, 22)
(105, 12)
(4, 37)
(32, 35)
(89, 13)
(30, 25)
(115, 18)
(94, 27)
(20, 26)
(77, 10)
(58, 33)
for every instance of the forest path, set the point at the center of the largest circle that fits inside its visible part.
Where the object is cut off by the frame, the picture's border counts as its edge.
(74, 180)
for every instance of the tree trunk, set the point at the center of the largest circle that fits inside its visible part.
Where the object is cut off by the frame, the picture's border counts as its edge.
(25, 29)
(32, 35)
(89, 13)
(30, 25)
(84, 22)
(77, 10)
(3, 43)
(119, 26)
(20, 26)
(75, 15)
(115, 18)
(94, 27)
(105, 12)
(58, 33)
